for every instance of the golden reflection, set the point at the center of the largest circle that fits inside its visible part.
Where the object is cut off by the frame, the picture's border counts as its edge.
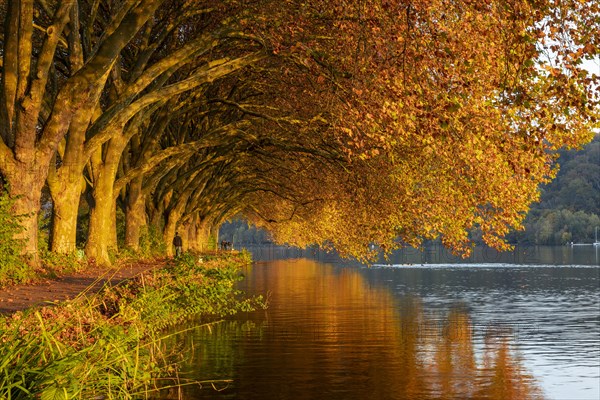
(331, 328)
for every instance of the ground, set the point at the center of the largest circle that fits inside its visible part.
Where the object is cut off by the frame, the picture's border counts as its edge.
(69, 286)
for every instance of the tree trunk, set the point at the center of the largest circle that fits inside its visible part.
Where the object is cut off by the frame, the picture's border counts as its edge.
(135, 214)
(170, 229)
(185, 237)
(155, 215)
(64, 215)
(25, 188)
(213, 237)
(191, 235)
(101, 223)
(66, 183)
(112, 243)
(203, 229)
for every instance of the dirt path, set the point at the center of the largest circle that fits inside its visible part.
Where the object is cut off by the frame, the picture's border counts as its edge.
(66, 287)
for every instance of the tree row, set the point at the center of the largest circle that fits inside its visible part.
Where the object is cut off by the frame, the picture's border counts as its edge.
(340, 124)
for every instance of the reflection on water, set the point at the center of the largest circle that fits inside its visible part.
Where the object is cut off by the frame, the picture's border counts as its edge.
(437, 254)
(334, 332)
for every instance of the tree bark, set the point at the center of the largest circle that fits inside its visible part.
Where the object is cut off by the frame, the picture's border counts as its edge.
(102, 214)
(99, 234)
(191, 234)
(64, 218)
(25, 189)
(113, 243)
(185, 236)
(171, 228)
(213, 237)
(203, 233)
(135, 214)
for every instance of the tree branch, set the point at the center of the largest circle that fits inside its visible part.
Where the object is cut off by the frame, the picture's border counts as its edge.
(46, 56)
(10, 74)
(208, 73)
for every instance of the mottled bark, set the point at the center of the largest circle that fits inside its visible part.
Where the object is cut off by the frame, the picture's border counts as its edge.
(170, 229)
(102, 234)
(100, 224)
(203, 235)
(185, 237)
(64, 218)
(135, 214)
(66, 182)
(190, 230)
(25, 188)
(112, 237)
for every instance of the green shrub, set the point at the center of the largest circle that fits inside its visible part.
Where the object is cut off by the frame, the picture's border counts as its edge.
(151, 242)
(56, 264)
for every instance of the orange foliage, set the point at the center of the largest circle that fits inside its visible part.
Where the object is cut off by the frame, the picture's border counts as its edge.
(447, 114)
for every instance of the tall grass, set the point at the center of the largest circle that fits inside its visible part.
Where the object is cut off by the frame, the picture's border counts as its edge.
(108, 345)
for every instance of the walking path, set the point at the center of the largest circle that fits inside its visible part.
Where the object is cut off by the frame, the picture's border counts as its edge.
(66, 287)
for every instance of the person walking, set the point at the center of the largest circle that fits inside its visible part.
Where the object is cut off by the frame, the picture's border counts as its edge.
(178, 243)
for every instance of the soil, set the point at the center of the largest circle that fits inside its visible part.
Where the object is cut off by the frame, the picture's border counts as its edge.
(20, 297)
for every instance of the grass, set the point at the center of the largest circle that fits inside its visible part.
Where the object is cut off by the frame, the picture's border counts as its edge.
(110, 345)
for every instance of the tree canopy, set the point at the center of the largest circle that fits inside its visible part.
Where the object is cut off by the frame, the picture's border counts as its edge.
(338, 123)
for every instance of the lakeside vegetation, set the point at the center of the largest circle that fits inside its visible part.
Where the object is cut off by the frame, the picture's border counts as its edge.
(108, 345)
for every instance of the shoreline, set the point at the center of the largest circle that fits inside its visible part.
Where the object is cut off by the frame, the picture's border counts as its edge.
(107, 344)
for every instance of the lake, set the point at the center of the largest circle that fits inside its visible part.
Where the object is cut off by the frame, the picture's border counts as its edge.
(417, 326)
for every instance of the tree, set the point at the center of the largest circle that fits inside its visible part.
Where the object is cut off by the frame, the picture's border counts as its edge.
(568, 210)
(39, 105)
(415, 120)
(452, 114)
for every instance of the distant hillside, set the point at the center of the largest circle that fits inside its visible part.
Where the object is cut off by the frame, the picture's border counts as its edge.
(569, 209)
(577, 186)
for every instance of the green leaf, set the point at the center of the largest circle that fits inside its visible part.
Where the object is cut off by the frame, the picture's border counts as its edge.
(54, 393)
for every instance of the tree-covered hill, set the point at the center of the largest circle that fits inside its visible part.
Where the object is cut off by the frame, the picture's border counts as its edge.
(569, 209)
(577, 185)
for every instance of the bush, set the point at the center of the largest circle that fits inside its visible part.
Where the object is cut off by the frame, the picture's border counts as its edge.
(151, 242)
(57, 264)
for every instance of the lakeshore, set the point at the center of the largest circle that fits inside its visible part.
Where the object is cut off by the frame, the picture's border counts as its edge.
(106, 344)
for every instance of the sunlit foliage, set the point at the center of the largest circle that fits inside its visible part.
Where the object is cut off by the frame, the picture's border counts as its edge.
(340, 123)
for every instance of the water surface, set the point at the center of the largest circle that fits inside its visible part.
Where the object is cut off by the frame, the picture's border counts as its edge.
(443, 331)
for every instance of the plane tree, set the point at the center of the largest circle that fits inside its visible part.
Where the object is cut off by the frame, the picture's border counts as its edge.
(164, 59)
(41, 100)
(408, 119)
(183, 130)
(444, 117)
(451, 115)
